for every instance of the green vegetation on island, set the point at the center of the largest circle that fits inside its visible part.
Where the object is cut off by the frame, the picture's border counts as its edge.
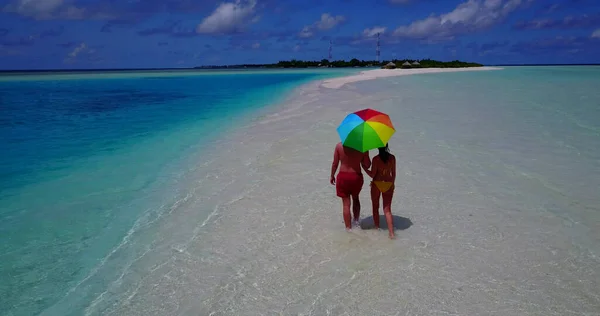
(353, 63)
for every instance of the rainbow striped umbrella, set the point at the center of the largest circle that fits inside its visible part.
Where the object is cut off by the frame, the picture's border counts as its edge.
(365, 130)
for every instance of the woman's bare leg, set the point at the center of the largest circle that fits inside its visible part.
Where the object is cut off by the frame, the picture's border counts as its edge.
(375, 194)
(387, 210)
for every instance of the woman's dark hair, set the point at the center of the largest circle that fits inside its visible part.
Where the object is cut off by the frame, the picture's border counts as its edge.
(384, 153)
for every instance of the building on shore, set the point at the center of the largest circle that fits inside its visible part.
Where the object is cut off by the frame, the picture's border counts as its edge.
(390, 65)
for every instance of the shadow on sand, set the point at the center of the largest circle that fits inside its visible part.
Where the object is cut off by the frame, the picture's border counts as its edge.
(400, 223)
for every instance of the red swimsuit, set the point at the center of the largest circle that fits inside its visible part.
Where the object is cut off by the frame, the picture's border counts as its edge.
(348, 183)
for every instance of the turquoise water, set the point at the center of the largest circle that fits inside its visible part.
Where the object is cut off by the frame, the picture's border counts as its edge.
(85, 156)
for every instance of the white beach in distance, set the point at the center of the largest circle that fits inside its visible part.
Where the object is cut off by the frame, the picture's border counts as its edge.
(384, 73)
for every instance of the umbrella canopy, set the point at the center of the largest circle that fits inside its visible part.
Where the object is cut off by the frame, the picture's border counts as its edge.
(365, 130)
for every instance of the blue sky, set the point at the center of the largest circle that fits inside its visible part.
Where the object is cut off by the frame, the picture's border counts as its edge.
(53, 34)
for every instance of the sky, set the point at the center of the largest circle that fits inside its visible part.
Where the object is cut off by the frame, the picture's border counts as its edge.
(86, 34)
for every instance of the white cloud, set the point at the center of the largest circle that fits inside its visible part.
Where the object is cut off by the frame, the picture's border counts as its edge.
(41, 9)
(469, 16)
(326, 22)
(31, 7)
(52, 9)
(596, 34)
(82, 47)
(81, 50)
(75, 13)
(228, 17)
(373, 31)
(306, 32)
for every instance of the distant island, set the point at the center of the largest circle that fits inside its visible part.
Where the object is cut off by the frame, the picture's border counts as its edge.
(354, 63)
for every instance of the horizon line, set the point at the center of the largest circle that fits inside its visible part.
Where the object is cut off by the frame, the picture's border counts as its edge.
(239, 67)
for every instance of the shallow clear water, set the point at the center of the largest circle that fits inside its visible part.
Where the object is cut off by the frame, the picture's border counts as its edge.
(496, 215)
(498, 174)
(540, 122)
(85, 156)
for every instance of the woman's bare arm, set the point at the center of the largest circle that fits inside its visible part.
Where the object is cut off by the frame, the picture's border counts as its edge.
(373, 170)
(393, 169)
(366, 161)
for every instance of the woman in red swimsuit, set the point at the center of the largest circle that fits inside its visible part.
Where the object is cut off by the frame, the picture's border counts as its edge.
(383, 172)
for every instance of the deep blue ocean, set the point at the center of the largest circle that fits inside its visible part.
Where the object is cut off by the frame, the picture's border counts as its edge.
(84, 155)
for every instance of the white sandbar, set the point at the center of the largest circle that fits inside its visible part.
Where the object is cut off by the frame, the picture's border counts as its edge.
(383, 73)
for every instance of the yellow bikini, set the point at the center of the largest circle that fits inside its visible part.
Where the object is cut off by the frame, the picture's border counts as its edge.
(384, 186)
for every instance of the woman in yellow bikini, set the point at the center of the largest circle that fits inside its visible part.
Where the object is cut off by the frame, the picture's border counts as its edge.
(383, 172)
